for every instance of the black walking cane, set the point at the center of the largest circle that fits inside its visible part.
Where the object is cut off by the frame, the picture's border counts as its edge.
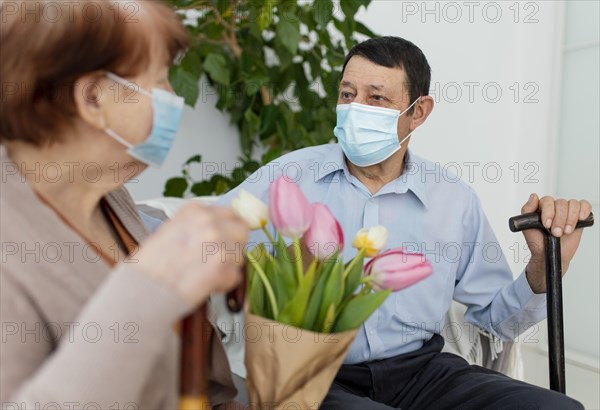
(556, 337)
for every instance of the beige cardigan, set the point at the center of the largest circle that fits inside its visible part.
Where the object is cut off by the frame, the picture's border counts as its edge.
(76, 332)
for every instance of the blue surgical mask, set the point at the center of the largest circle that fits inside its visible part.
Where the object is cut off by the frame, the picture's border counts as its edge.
(368, 135)
(167, 109)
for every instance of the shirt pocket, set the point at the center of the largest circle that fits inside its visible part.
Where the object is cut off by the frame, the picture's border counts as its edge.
(426, 303)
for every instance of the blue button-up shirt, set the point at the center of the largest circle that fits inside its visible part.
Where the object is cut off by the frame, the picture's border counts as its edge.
(427, 212)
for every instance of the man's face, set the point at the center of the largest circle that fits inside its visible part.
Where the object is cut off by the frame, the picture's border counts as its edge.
(367, 83)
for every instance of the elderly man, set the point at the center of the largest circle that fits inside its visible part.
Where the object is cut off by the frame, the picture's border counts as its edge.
(371, 178)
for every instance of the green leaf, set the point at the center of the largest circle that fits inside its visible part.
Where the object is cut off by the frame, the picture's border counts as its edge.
(350, 7)
(185, 85)
(288, 33)
(281, 290)
(294, 311)
(256, 291)
(202, 188)
(253, 121)
(323, 11)
(286, 265)
(216, 66)
(266, 15)
(257, 296)
(192, 64)
(195, 158)
(358, 310)
(268, 116)
(316, 297)
(333, 289)
(329, 319)
(251, 166)
(271, 154)
(362, 29)
(353, 279)
(175, 187)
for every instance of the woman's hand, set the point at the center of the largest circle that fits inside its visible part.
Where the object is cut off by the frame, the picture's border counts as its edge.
(197, 252)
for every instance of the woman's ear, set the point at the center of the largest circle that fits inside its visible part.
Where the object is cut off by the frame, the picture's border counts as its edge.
(422, 110)
(87, 94)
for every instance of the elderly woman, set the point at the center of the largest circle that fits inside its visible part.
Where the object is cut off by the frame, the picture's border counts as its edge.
(88, 316)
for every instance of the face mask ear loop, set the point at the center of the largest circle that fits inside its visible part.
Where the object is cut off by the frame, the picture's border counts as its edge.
(117, 137)
(409, 107)
(128, 84)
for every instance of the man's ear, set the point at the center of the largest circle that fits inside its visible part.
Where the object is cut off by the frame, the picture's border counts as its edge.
(87, 94)
(421, 111)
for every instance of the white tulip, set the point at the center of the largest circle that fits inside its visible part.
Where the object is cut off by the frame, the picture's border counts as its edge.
(251, 209)
(372, 240)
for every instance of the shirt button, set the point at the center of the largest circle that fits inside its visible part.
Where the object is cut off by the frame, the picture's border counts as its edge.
(372, 200)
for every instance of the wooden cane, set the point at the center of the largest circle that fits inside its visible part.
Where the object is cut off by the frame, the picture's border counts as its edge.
(195, 349)
(556, 337)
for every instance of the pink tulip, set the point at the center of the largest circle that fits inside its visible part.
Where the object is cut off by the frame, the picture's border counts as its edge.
(290, 211)
(395, 269)
(324, 236)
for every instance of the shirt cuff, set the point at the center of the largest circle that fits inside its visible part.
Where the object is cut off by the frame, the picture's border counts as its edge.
(525, 296)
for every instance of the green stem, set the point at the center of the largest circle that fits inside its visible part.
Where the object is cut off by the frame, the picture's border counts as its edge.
(266, 231)
(265, 281)
(298, 259)
(366, 279)
(353, 261)
(367, 282)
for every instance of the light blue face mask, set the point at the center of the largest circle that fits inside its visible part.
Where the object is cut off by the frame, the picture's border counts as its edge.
(166, 109)
(368, 135)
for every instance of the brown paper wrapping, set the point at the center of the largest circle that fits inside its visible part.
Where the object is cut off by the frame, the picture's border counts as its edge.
(290, 368)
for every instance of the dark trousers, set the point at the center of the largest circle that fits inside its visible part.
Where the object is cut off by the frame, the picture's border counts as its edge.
(429, 379)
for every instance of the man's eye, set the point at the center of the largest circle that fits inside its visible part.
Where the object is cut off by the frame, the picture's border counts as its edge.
(346, 95)
(378, 98)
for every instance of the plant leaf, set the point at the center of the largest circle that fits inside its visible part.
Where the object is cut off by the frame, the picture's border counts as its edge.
(185, 85)
(216, 66)
(257, 297)
(358, 310)
(350, 7)
(175, 187)
(266, 15)
(329, 319)
(323, 11)
(294, 311)
(195, 158)
(333, 289)
(287, 268)
(202, 188)
(362, 29)
(353, 279)
(288, 33)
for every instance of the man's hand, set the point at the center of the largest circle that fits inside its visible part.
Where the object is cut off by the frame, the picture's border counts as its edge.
(560, 216)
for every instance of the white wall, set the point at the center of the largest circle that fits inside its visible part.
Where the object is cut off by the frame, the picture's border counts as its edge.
(204, 130)
(485, 47)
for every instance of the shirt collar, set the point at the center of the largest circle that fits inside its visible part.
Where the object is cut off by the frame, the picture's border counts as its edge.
(410, 179)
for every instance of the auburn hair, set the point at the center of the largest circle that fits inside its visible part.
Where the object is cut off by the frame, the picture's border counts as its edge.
(46, 46)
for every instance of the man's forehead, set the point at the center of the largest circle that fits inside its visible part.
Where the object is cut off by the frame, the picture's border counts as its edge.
(374, 86)
(360, 73)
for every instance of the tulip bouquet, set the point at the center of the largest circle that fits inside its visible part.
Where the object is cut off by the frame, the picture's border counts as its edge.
(298, 279)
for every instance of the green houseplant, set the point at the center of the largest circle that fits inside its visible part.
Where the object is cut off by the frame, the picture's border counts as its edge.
(275, 66)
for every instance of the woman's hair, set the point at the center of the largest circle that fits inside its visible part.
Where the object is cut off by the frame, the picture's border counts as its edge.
(47, 45)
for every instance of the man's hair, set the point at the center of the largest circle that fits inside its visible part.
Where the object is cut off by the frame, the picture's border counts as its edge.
(396, 52)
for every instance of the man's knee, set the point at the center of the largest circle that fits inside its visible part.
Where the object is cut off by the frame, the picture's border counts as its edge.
(548, 399)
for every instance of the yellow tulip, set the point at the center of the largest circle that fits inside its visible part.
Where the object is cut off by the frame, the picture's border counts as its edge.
(372, 240)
